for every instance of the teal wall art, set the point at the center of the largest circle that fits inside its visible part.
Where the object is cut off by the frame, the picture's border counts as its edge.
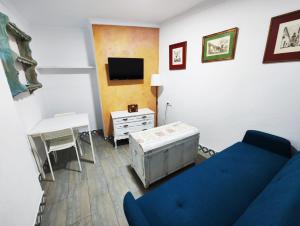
(9, 58)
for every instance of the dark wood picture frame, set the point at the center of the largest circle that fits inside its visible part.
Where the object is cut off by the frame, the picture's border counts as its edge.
(233, 33)
(181, 66)
(274, 29)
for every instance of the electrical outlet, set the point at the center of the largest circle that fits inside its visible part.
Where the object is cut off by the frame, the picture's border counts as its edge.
(168, 103)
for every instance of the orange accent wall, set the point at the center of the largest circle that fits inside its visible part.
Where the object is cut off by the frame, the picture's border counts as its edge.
(125, 41)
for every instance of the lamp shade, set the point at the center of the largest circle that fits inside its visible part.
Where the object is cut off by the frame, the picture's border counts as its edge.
(156, 80)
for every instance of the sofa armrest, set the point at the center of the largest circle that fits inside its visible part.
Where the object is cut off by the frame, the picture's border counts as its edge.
(133, 213)
(269, 142)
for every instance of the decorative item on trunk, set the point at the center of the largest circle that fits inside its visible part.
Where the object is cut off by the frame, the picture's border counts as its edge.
(132, 108)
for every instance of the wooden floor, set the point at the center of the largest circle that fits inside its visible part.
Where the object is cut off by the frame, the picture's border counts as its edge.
(95, 195)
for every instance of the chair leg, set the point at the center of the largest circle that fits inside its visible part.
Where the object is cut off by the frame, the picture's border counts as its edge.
(79, 145)
(75, 146)
(49, 162)
(92, 145)
(55, 156)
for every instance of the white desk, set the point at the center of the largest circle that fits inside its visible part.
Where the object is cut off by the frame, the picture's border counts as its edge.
(60, 123)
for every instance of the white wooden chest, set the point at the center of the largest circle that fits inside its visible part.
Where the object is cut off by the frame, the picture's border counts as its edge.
(157, 152)
(125, 122)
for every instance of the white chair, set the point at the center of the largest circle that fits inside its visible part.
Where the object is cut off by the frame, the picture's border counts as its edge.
(76, 131)
(59, 140)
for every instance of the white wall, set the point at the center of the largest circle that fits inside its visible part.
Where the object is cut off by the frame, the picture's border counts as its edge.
(28, 106)
(62, 91)
(20, 189)
(67, 90)
(21, 192)
(224, 99)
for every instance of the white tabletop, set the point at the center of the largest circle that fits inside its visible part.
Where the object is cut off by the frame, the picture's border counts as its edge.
(120, 114)
(60, 123)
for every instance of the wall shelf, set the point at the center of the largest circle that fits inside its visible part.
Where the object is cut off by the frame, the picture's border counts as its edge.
(26, 61)
(16, 32)
(61, 67)
(65, 70)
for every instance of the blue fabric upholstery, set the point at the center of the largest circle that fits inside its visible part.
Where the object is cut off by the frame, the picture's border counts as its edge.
(221, 190)
(269, 142)
(207, 193)
(134, 215)
(279, 203)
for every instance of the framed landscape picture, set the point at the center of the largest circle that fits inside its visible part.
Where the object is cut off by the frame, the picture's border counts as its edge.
(219, 46)
(283, 42)
(177, 56)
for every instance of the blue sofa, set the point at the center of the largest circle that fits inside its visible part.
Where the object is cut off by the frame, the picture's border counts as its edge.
(255, 182)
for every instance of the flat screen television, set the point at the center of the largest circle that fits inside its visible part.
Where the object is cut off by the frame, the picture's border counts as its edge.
(125, 68)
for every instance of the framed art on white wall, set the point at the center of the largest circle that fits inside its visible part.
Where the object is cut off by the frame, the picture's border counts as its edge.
(219, 46)
(177, 56)
(283, 42)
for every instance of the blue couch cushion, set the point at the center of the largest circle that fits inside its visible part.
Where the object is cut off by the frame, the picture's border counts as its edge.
(214, 193)
(134, 215)
(279, 203)
(269, 142)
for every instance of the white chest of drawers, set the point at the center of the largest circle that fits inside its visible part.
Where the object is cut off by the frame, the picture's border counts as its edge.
(125, 122)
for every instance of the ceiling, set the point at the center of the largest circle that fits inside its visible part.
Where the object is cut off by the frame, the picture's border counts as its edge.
(77, 12)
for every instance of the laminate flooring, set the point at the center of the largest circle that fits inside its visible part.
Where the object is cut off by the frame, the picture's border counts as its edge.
(95, 195)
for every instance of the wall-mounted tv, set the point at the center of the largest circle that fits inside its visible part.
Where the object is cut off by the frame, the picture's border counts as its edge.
(125, 68)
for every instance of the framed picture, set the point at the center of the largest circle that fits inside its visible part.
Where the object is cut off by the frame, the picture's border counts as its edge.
(283, 42)
(177, 56)
(219, 46)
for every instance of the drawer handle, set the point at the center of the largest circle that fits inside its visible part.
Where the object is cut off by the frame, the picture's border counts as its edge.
(144, 123)
(125, 119)
(125, 126)
(144, 129)
(126, 133)
(144, 116)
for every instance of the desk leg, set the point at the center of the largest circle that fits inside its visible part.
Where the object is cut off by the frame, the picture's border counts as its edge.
(36, 157)
(92, 144)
